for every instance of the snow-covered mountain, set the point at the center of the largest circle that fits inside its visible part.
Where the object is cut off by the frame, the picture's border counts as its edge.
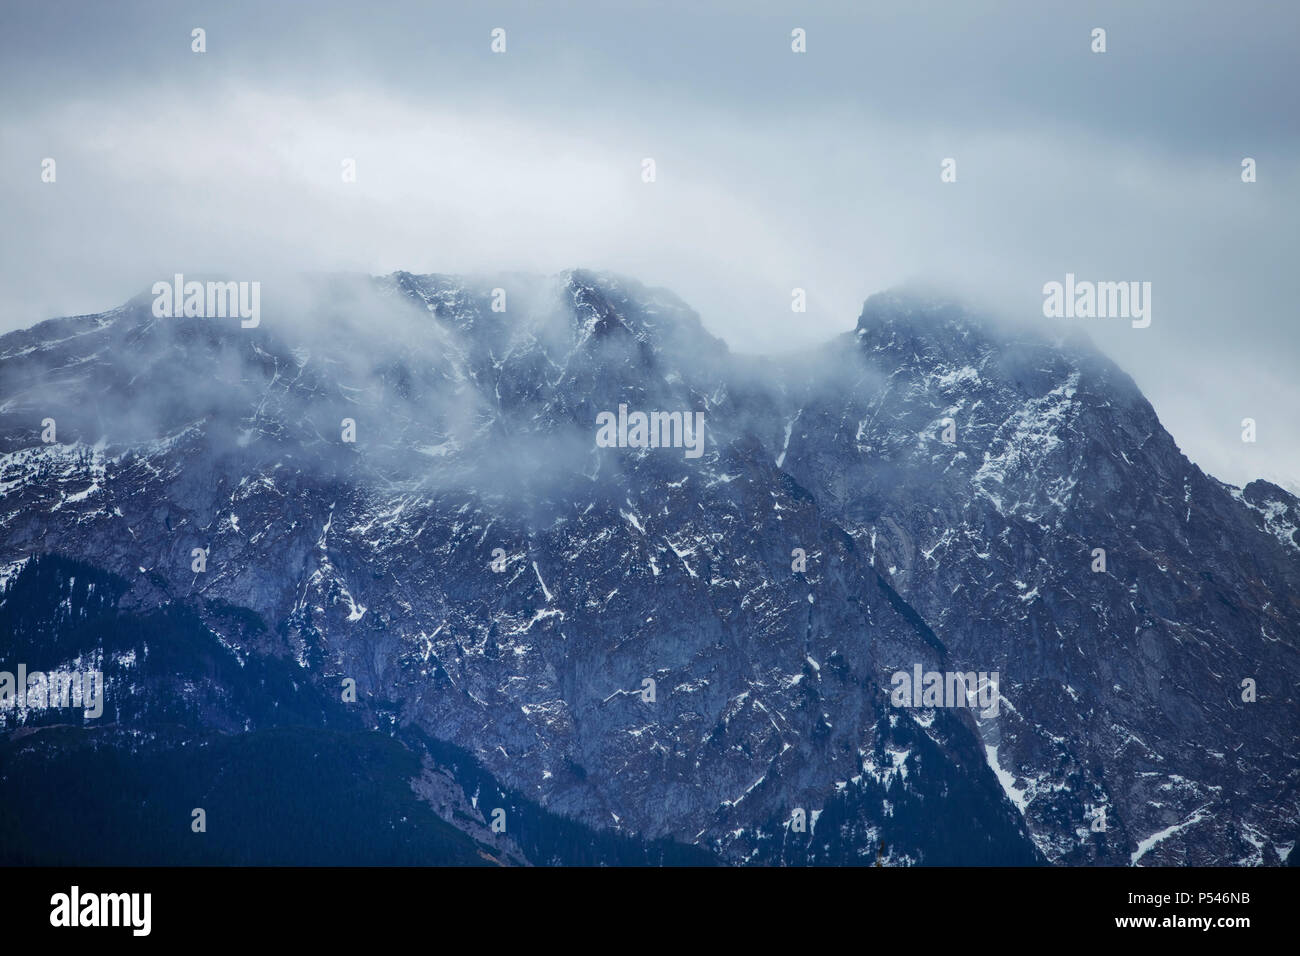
(930, 489)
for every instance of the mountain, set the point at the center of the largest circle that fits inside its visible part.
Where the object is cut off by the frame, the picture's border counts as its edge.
(638, 654)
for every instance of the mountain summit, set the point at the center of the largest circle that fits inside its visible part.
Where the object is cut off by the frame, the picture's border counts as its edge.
(634, 654)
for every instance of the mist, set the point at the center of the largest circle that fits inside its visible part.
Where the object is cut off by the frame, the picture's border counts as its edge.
(774, 171)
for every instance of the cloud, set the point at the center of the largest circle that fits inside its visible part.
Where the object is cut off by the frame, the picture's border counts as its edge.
(774, 172)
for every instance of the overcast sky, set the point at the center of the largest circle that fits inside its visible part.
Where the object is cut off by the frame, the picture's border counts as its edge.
(775, 170)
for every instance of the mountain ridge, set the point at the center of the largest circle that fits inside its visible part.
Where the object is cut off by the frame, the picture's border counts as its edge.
(475, 431)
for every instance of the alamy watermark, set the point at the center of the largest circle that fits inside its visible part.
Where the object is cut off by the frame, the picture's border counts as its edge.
(208, 300)
(57, 690)
(1098, 300)
(651, 430)
(946, 689)
(75, 908)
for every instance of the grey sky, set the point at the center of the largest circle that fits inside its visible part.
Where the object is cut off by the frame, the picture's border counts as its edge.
(775, 169)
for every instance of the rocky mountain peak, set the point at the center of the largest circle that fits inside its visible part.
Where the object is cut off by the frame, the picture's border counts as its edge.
(501, 586)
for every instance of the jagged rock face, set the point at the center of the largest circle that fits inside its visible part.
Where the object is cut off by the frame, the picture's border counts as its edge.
(476, 431)
(1123, 686)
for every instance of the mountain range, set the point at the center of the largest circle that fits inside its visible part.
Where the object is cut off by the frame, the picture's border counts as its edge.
(568, 653)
